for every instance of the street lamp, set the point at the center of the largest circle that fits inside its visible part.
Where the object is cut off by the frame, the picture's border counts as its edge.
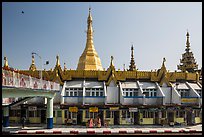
(41, 68)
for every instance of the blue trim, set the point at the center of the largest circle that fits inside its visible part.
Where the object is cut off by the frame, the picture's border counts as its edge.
(73, 96)
(142, 97)
(94, 96)
(49, 123)
(133, 96)
(5, 121)
(190, 97)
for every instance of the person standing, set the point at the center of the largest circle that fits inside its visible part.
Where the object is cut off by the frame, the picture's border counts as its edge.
(99, 122)
(91, 123)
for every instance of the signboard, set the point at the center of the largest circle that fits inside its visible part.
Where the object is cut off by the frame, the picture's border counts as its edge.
(133, 110)
(73, 109)
(114, 108)
(93, 109)
(32, 108)
(189, 100)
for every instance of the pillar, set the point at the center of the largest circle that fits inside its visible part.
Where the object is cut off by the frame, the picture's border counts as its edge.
(49, 113)
(6, 117)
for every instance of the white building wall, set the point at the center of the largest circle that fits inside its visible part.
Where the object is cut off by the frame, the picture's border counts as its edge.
(112, 93)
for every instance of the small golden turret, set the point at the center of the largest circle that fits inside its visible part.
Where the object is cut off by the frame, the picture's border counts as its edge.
(57, 63)
(65, 68)
(5, 62)
(32, 66)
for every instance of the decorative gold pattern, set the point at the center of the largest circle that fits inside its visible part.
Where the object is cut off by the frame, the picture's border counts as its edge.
(89, 59)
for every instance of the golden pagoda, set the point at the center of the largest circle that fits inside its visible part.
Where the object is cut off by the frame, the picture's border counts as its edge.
(89, 59)
(188, 62)
(32, 66)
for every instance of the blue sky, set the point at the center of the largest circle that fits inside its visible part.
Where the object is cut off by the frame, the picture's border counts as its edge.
(156, 30)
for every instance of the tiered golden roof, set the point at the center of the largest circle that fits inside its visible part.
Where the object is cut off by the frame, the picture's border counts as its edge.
(89, 59)
(188, 62)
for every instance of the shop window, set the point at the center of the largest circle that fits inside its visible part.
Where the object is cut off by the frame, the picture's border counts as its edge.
(38, 113)
(12, 113)
(59, 113)
(86, 113)
(31, 113)
(197, 113)
(74, 115)
(66, 113)
(130, 94)
(128, 114)
(123, 113)
(108, 114)
(163, 114)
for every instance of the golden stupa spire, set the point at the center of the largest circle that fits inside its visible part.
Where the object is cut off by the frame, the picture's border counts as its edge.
(89, 59)
(32, 66)
(187, 42)
(5, 62)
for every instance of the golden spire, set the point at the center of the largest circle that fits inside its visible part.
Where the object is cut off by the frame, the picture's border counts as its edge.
(89, 59)
(5, 62)
(188, 62)
(57, 63)
(32, 66)
(132, 61)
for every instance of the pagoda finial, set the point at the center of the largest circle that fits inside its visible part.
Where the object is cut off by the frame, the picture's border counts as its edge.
(5, 62)
(132, 61)
(57, 63)
(164, 60)
(187, 42)
(111, 61)
(32, 66)
(188, 62)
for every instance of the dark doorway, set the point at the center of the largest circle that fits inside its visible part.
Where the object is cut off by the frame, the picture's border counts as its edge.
(136, 118)
(170, 116)
(43, 116)
(190, 118)
(79, 117)
(116, 117)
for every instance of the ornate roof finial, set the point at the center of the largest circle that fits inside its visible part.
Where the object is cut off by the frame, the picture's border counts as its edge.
(5, 62)
(188, 62)
(187, 42)
(57, 63)
(132, 61)
(32, 66)
(111, 60)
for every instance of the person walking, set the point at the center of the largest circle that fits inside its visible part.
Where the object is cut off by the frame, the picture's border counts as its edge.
(99, 122)
(91, 123)
(23, 121)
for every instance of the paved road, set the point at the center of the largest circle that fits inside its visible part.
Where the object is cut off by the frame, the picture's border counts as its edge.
(121, 129)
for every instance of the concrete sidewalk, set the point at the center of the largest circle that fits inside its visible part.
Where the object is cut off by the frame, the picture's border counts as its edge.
(120, 129)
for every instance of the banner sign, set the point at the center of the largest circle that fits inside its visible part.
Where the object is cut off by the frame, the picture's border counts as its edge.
(73, 109)
(133, 110)
(114, 108)
(93, 109)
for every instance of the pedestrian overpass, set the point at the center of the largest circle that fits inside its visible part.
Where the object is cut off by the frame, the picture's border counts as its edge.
(18, 88)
